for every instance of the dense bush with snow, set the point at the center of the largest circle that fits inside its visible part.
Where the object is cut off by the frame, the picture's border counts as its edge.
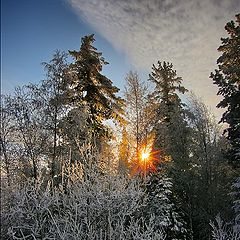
(229, 231)
(102, 207)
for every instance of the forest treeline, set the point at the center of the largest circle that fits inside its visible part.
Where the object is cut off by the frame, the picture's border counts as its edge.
(80, 162)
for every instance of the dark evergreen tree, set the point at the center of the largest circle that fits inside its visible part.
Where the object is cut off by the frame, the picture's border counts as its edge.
(170, 126)
(171, 130)
(227, 78)
(87, 86)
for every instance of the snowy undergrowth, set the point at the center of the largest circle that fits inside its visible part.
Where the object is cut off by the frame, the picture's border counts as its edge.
(229, 231)
(223, 231)
(102, 207)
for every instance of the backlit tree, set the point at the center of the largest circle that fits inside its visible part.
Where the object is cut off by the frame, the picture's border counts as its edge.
(87, 86)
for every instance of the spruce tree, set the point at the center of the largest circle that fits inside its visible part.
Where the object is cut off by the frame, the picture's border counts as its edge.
(171, 129)
(227, 78)
(160, 203)
(87, 86)
(167, 84)
(169, 121)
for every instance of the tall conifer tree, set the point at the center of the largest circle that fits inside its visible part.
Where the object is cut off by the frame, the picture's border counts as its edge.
(169, 112)
(171, 132)
(87, 86)
(227, 78)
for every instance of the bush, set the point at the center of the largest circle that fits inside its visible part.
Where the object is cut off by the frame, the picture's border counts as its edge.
(101, 207)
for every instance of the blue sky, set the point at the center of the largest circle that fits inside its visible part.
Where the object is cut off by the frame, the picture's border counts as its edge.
(33, 29)
(131, 34)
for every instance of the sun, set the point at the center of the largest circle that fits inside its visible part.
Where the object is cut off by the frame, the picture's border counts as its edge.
(146, 158)
(145, 155)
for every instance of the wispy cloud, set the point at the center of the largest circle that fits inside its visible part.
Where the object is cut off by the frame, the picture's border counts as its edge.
(184, 32)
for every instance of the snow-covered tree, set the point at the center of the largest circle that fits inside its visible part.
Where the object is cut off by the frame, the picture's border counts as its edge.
(30, 135)
(160, 204)
(86, 85)
(50, 93)
(171, 130)
(7, 143)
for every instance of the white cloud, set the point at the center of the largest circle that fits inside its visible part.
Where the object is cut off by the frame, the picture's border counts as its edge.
(184, 32)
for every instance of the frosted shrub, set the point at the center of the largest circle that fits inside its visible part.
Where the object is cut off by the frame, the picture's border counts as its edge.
(223, 231)
(101, 207)
(231, 231)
